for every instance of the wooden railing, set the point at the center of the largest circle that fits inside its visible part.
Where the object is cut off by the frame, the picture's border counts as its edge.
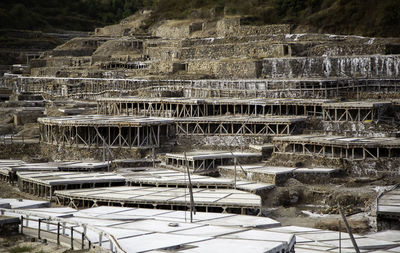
(75, 239)
(11, 139)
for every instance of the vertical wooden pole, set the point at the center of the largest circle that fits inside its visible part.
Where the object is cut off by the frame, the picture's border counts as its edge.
(58, 233)
(22, 224)
(353, 241)
(72, 238)
(39, 221)
(192, 209)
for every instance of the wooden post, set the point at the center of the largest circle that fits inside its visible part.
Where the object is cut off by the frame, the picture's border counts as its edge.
(22, 224)
(39, 221)
(153, 157)
(353, 241)
(83, 241)
(58, 233)
(72, 238)
(340, 238)
(235, 161)
(192, 209)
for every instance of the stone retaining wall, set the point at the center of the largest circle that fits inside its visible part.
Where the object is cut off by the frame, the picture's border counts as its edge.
(375, 66)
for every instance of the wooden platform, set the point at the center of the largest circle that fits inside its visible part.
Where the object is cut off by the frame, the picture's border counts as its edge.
(9, 168)
(239, 125)
(43, 184)
(161, 177)
(389, 204)
(204, 161)
(94, 131)
(101, 120)
(122, 229)
(188, 107)
(359, 111)
(338, 147)
(209, 200)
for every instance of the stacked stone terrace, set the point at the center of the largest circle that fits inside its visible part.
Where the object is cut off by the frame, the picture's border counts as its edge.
(242, 108)
(215, 82)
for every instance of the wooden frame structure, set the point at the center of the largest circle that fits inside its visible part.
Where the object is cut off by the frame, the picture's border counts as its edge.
(207, 200)
(300, 88)
(354, 111)
(43, 184)
(338, 147)
(236, 125)
(161, 177)
(184, 107)
(94, 131)
(167, 107)
(203, 162)
(5, 175)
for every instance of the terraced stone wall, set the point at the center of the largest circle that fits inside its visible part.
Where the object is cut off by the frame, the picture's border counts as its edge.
(248, 69)
(235, 50)
(232, 27)
(176, 29)
(374, 66)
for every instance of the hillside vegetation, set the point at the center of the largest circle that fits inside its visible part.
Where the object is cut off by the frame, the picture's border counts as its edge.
(363, 17)
(53, 15)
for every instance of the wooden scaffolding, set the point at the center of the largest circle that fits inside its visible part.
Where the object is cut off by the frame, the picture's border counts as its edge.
(338, 147)
(104, 131)
(234, 125)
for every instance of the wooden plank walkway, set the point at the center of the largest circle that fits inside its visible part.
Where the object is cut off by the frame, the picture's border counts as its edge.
(389, 204)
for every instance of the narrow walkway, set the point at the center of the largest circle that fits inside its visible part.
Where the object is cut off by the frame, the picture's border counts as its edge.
(389, 204)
